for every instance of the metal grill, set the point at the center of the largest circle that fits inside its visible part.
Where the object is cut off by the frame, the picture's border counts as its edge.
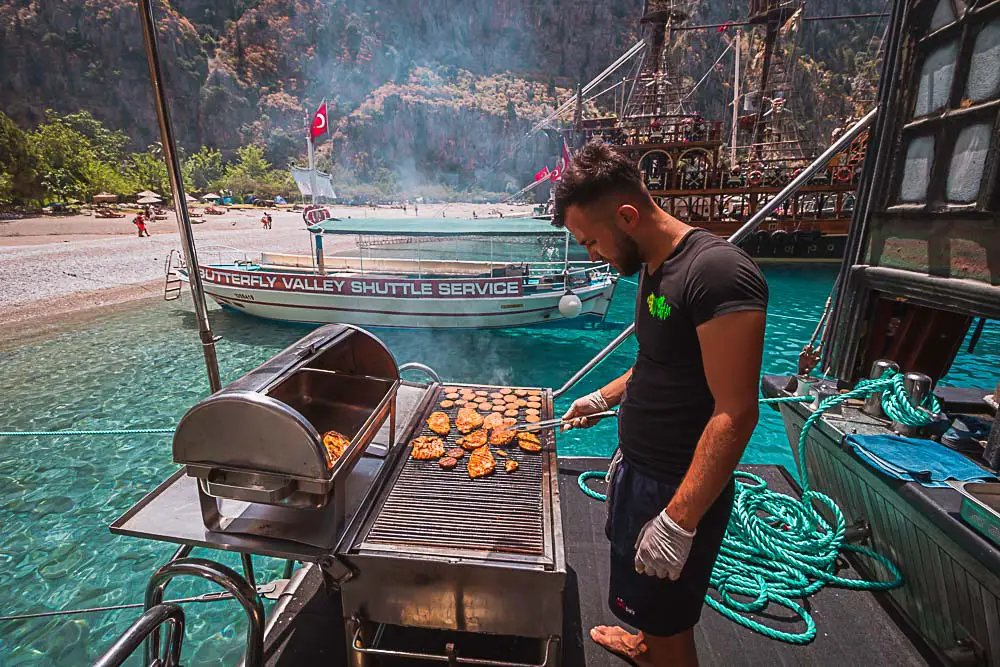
(432, 508)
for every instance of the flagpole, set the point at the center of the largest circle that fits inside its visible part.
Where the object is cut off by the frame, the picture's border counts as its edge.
(312, 168)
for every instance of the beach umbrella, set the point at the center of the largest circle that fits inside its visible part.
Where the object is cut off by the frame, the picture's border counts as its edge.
(210, 195)
(147, 193)
(105, 197)
(150, 200)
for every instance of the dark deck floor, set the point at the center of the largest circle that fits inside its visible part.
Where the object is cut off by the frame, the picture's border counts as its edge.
(853, 628)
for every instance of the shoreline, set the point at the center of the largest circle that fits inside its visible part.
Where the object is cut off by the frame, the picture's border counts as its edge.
(64, 271)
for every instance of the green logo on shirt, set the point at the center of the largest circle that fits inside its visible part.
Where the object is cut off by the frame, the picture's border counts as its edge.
(658, 307)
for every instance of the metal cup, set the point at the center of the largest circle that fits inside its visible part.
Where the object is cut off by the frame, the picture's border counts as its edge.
(873, 404)
(917, 386)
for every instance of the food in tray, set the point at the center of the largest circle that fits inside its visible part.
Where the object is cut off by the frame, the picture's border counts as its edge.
(474, 440)
(493, 420)
(528, 441)
(501, 437)
(447, 404)
(498, 408)
(510, 398)
(510, 414)
(532, 419)
(485, 407)
(468, 420)
(427, 447)
(448, 462)
(521, 403)
(496, 394)
(520, 392)
(335, 444)
(455, 453)
(508, 422)
(510, 465)
(533, 404)
(439, 423)
(480, 392)
(506, 390)
(481, 463)
(531, 411)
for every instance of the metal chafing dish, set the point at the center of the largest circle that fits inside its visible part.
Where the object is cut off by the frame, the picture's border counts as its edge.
(434, 549)
(259, 440)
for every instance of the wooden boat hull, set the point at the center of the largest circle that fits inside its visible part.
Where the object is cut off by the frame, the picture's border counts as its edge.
(949, 595)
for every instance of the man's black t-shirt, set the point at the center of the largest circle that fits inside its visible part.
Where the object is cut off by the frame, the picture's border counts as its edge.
(667, 402)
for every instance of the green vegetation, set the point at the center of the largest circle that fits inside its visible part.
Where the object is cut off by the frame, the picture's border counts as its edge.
(74, 157)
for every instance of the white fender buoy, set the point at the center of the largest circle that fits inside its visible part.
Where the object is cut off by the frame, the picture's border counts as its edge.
(570, 305)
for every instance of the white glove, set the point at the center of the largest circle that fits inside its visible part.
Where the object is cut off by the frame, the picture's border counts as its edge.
(662, 548)
(590, 404)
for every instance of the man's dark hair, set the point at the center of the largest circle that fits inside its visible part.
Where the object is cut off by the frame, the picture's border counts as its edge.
(595, 172)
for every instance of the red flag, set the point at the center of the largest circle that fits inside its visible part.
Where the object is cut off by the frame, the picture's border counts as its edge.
(320, 122)
(542, 174)
(562, 165)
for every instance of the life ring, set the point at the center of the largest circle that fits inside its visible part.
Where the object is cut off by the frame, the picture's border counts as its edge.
(762, 237)
(779, 236)
(843, 174)
(755, 178)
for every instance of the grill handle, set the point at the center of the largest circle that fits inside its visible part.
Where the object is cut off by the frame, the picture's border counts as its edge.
(248, 487)
(416, 366)
(450, 657)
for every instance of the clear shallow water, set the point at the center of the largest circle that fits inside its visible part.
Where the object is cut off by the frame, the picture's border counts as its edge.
(144, 368)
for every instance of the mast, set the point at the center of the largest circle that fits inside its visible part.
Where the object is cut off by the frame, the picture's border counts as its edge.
(655, 90)
(773, 14)
(736, 98)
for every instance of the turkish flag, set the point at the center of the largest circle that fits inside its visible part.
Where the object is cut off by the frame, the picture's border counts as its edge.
(542, 174)
(555, 174)
(320, 122)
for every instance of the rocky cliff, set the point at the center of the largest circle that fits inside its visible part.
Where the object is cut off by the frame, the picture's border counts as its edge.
(432, 91)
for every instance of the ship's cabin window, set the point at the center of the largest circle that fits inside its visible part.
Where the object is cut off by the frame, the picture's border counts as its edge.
(953, 120)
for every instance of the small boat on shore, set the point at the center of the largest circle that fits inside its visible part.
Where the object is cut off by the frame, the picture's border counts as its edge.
(499, 289)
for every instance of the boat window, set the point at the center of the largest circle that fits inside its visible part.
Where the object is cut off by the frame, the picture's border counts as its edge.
(944, 14)
(965, 173)
(917, 169)
(984, 70)
(935, 79)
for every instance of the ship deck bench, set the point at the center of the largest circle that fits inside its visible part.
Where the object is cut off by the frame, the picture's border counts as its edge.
(854, 626)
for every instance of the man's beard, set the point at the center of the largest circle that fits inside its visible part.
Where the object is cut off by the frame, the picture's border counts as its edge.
(627, 257)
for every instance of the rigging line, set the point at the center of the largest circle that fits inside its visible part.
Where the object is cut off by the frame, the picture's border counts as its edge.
(737, 24)
(606, 90)
(702, 80)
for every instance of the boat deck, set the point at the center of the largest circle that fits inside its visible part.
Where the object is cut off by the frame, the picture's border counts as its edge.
(853, 626)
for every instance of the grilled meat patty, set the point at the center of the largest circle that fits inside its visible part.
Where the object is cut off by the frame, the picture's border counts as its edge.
(439, 423)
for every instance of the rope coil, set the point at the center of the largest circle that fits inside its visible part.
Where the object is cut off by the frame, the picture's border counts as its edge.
(778, 548)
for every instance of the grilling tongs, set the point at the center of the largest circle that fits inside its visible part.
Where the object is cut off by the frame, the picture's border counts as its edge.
(555, 423)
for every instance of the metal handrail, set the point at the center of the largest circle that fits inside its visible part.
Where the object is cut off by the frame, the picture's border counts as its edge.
(224, 577)
(417, 366)
(149, 622)
(842, 142)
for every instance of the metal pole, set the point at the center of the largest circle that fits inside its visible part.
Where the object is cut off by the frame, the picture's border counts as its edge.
(177, 186)
(741, 233)
(816, 165)
(312, 168)
(736, 98)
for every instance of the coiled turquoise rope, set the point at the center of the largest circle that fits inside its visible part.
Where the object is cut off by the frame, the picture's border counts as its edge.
(778, 548)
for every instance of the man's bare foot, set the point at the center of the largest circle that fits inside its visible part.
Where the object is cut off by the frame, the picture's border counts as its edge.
(618, 641)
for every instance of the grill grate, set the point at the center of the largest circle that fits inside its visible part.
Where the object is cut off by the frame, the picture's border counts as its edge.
(430, 507)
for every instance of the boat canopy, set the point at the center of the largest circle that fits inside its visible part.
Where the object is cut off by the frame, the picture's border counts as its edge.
(445, 227)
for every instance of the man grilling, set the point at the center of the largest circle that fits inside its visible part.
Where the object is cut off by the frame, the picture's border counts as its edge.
(687, 406)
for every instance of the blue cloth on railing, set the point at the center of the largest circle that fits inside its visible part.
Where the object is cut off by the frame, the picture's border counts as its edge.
(916, 460)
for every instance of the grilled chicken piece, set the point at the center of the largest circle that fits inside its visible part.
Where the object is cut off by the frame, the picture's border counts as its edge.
(508, 422)
(439, 423)
(468, 420)
(335, 444)
(474, 440)
(529, 442)
(427, 447)
(510, 465)
(481, 463)
(500, 437)
(493, 420)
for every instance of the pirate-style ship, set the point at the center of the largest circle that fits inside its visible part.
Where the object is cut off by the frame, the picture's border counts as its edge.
(716, 174)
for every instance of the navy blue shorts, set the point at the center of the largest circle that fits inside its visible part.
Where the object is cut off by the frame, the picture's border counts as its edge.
(658, 607)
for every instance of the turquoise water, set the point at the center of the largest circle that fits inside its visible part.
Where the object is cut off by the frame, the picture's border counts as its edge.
(144, 368)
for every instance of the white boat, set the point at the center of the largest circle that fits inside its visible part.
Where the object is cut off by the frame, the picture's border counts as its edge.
(416, 292)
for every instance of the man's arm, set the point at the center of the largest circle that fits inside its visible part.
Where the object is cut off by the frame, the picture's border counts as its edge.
(612, 391)
(732, 347)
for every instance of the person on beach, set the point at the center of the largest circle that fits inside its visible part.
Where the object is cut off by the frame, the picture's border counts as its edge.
(268, 216)
(139, 222)
(263, 221)
(688, 405)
